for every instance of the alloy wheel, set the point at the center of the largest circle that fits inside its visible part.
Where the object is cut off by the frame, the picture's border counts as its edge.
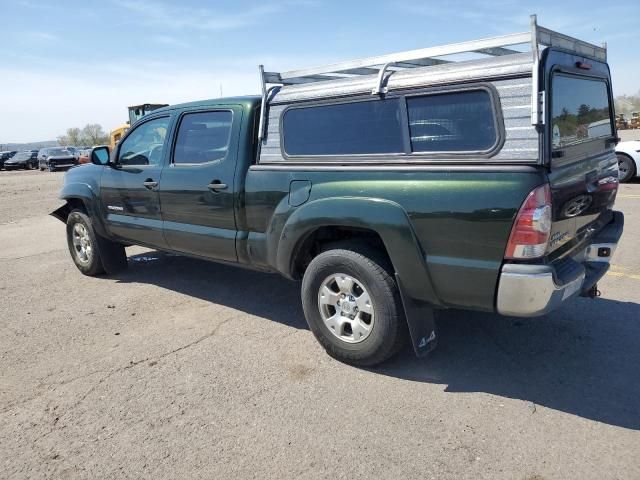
(346, 308)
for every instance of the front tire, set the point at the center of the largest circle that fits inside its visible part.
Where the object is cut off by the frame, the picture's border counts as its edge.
(352, 306)
(92, 254)
(626, 167)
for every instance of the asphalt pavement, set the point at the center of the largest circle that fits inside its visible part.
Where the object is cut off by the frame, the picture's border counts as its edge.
(179, 368)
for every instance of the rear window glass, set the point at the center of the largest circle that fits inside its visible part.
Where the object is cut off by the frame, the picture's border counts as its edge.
(580, 110)
(356, 128)
(203, 137)
(452, 122)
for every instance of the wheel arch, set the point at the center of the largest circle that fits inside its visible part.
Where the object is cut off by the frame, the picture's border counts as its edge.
(79, 196)
(383, 222)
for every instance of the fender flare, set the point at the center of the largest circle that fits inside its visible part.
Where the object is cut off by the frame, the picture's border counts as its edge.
(84, 193)
(388, 219)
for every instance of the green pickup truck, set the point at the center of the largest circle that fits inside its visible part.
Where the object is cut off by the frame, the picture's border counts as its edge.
(391, 186)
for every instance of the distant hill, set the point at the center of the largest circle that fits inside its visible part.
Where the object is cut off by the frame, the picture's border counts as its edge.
(28, 146)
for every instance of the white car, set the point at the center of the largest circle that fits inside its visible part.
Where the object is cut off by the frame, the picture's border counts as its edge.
(628, 159)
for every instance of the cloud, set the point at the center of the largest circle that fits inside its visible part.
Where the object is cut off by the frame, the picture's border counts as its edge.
(161, 15)
(169, 41)
(69, 100)
(43, 36)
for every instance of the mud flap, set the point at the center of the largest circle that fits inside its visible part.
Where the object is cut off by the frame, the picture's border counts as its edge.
(421, 322)
(61, 213)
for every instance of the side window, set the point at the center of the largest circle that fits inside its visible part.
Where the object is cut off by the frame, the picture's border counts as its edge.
(452, 122)
(203, 137)
(357, 128)
(145, 144)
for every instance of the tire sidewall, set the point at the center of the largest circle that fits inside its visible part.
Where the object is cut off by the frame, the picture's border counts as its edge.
(631, 171)
(385, 308)
(95, 265)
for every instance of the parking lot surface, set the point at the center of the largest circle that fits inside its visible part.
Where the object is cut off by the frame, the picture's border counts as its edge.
(178, 368)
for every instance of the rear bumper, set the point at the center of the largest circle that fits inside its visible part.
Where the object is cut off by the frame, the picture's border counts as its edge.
(533, 290)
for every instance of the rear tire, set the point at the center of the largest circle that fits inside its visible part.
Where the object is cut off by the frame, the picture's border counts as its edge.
(30, 166)
(92, 254)
(353, 307)
(626, 167)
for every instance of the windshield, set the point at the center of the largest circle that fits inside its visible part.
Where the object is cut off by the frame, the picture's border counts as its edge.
(23, 155)
(581, 110)
(58, 151)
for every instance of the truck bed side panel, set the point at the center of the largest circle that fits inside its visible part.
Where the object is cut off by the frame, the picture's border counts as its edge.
(462, 217)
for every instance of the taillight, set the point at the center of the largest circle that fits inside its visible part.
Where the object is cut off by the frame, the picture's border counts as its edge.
(530, 232)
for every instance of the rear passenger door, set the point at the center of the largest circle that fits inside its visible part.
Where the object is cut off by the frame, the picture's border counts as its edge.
(198, 190)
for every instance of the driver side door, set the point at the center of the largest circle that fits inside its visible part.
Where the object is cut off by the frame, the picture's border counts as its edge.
(129, 188)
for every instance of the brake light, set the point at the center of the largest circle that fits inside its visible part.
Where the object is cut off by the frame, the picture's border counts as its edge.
(530, 232)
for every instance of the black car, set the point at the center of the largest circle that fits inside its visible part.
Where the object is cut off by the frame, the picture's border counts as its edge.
(4, 156)
(56, 157)
(27, 159)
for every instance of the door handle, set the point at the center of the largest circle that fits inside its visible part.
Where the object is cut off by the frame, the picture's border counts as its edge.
(217, 186)
(150, 183)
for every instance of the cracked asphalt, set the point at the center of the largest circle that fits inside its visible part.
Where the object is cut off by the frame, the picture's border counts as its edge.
(178, 368)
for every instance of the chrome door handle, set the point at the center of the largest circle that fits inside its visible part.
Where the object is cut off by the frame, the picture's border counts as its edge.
(217, 186)
(150, 184)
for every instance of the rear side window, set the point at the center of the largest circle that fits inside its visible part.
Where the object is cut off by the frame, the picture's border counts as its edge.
(452, 122)
(203, 137)
(580, 110)
(357, 128)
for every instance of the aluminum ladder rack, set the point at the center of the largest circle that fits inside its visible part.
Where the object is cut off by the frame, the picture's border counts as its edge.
(532, 40)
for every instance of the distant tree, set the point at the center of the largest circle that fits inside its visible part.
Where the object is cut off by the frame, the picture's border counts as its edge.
(627, 103)
(93, 134)
(72, 137)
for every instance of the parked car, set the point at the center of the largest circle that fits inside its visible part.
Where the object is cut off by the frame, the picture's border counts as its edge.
(84, 156)
(389, 194)
(4, 156)
(27, 159)
(628, 160)
(54, 158)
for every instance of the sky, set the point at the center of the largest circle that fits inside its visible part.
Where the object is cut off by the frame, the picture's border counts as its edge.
(66, 63)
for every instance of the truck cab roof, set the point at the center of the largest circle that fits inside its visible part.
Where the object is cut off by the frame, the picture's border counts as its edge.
(249, 101)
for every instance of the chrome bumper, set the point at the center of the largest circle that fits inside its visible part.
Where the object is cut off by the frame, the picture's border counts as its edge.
(533, 290)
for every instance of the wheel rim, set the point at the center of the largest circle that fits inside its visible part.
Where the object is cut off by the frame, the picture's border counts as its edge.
(82, 243)
(624, 167)
(346, 308)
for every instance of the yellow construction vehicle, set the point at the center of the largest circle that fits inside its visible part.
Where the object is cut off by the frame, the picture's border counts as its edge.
(136, 112)
(635, 120)
(621, 122)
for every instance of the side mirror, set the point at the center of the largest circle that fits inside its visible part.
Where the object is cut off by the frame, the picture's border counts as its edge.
(100, 156)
